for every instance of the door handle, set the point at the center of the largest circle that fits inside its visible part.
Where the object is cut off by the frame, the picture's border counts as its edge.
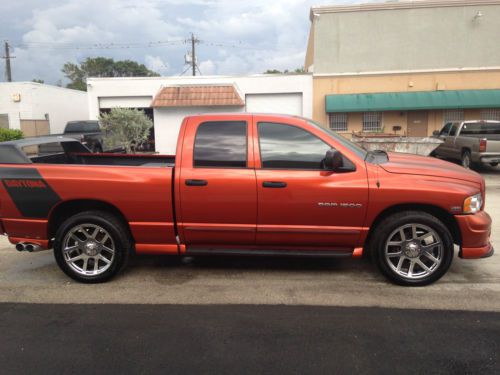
(196, 182)
(274, 184)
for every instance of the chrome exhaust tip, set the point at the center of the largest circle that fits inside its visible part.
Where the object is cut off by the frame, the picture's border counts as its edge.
(20, 246)
(32, 247)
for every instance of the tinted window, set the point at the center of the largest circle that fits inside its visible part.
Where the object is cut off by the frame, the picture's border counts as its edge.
(221, 144)
(480, 128)
(453, 130)
(82, 127)
(289, 147)
(446, 129)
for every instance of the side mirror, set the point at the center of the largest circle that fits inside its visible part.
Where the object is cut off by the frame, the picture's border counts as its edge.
(333, 160)
(436, 133)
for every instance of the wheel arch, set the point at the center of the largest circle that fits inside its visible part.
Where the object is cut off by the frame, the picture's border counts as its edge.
(66, 209)
(446, 218)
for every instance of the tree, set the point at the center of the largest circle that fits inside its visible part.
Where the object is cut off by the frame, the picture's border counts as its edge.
(102, 67)
(286, 71)
(126, 127)
(36, 80)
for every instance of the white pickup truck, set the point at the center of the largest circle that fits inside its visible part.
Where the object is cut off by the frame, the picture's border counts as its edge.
(472, 142)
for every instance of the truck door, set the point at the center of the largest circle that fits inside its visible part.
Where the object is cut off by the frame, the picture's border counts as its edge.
(217, 190)
(446, 148)
(300, 204)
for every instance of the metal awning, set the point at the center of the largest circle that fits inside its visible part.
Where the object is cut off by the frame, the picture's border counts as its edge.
(400, 101)
(198, 95)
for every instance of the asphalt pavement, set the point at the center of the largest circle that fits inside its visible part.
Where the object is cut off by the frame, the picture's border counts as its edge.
(245, 339)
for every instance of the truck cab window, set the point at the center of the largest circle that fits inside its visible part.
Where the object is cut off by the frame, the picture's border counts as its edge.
(221, 144)
(453, 130)
(446, 129)
(289, 147)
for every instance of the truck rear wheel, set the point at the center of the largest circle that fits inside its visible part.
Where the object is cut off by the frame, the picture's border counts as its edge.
(412, 248)
(92, 246)
(466, 160)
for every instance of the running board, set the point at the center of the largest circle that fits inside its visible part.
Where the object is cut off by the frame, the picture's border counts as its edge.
(285, 253)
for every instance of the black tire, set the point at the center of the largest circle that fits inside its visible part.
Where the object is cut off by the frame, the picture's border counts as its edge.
(391, 224)
(466, 160)
(110, 225)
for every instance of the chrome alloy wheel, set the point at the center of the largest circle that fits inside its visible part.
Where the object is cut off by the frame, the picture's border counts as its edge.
(88, 249)
(414, 251)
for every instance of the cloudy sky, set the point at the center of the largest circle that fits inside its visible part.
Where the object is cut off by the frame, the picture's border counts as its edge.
(237, 37)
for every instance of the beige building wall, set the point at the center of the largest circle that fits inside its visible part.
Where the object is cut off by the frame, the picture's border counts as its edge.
(406, 35)
(400, 82)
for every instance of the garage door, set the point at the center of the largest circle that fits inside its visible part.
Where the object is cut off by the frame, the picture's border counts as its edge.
(125, 101)
(290, 104)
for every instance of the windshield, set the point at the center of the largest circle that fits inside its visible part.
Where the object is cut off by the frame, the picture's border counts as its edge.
(358, 150)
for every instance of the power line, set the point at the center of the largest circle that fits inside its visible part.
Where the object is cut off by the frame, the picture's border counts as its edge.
(90, 46)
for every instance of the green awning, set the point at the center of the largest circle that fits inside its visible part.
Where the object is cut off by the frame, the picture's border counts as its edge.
(400, 101)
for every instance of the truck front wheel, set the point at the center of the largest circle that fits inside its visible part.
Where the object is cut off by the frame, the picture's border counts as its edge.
(412, 248)
(92, 246)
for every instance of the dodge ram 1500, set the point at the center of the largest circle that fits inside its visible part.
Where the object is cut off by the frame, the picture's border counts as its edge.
(243, 184)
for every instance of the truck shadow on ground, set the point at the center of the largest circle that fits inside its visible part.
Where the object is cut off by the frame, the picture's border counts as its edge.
(254, 263)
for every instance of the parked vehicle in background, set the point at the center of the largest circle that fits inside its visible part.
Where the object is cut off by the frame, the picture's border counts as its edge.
(473, 143)
(244, 184)
(87, 132)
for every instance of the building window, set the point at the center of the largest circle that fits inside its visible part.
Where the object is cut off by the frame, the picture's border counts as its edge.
(372, 121)
(490, 114)
(453, 115)
(338, 122)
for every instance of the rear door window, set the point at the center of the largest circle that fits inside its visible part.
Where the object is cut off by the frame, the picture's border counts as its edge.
(221, 144)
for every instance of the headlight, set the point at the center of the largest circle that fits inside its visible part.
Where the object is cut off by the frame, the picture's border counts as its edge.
(473, 204)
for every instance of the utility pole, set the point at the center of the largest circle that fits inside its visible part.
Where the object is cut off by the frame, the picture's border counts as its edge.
(193, 53)
(7, 57)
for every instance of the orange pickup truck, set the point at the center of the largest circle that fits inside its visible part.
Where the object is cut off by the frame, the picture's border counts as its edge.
(242, 184)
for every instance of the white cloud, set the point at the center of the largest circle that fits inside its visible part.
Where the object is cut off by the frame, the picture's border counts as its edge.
(236, 37)
(156, 64)
(207, 67)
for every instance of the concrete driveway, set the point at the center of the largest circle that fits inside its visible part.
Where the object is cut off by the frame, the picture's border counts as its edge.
(469, 285)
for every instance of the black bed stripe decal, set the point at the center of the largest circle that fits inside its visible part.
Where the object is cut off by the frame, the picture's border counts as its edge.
(30, 193)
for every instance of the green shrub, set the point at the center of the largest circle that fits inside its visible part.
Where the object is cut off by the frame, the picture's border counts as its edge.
(10, 134)
(125, 127)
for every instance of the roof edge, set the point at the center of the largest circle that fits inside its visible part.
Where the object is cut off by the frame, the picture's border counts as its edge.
(393, 5)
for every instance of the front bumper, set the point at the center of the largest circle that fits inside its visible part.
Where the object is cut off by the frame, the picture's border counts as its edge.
(476, 231)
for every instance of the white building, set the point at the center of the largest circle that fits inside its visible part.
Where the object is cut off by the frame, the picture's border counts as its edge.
(39, 109)
(167, 100)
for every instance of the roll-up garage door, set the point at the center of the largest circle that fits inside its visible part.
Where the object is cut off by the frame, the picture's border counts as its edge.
(290, 104)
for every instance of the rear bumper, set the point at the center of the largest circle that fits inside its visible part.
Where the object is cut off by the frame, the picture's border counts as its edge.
(488, 159)
(475, 230)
